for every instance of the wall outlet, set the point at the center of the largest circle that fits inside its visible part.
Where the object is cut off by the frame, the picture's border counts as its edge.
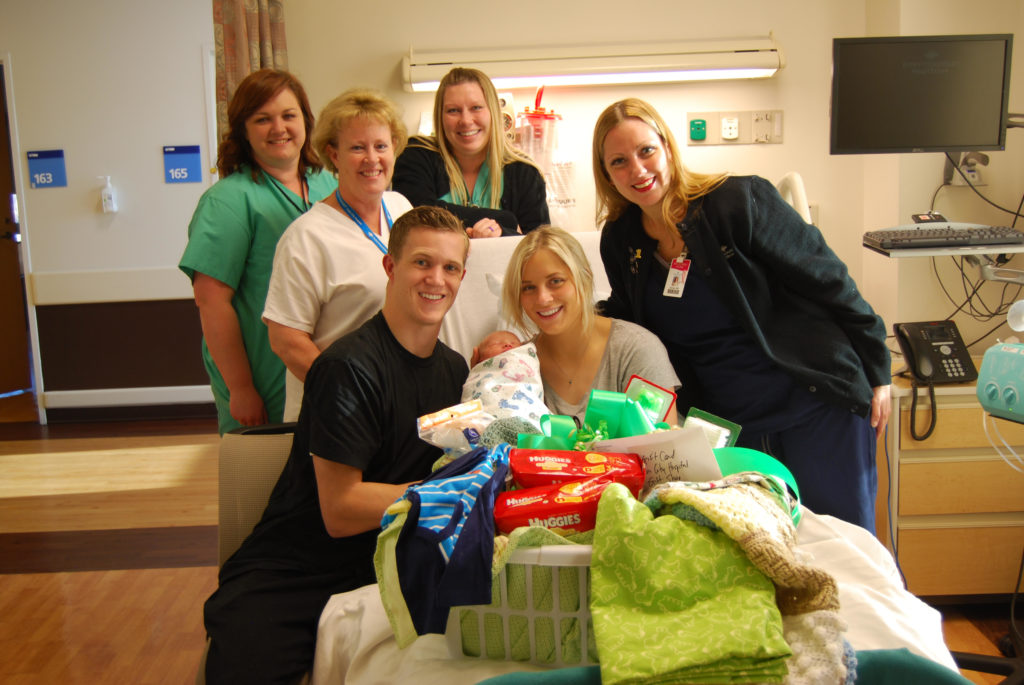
(973, 175)
(766, 126)
(698, 129)
(736, 128)
(730, 128)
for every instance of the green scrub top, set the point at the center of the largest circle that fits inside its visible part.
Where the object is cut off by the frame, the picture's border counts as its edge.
(232, 237)
(481, 195)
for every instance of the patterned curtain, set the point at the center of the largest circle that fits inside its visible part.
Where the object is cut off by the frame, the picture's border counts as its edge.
(248, 35)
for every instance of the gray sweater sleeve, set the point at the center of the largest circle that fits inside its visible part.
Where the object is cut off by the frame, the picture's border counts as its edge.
(631, 349)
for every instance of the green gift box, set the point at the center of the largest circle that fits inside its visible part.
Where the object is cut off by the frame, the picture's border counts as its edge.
(609, 415)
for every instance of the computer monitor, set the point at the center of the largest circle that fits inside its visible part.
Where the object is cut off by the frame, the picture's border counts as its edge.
(920, 93)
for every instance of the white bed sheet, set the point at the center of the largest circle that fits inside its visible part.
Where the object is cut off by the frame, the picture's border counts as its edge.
(355, 644)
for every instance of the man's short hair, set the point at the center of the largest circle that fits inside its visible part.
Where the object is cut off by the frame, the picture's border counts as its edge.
(434, 218)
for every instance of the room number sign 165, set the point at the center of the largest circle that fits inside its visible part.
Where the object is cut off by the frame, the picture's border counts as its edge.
(182, 164)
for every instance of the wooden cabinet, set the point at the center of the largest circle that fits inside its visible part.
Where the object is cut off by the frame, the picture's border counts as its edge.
(955, 507)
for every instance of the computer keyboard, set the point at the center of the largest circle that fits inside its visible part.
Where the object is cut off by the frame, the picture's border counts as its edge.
(941, 235)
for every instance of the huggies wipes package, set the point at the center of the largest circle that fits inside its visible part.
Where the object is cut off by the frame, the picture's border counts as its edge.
(533, 467)
(560, 489)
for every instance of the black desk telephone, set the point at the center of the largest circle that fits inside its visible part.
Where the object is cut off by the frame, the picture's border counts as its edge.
(935, 353)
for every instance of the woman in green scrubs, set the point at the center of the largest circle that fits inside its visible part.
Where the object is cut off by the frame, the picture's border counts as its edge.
(269, 176)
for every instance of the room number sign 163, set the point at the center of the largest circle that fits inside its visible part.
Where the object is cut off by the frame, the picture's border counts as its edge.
(46, 169)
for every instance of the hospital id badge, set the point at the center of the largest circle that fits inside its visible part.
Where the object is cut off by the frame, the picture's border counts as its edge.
(678, 270)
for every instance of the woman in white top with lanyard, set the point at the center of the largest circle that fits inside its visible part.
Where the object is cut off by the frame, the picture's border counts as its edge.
(327, 278)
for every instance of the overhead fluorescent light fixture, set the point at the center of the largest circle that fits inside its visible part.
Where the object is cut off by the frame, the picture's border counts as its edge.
(727, 58)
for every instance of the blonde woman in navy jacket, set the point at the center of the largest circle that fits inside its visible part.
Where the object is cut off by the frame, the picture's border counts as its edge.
(761, 319)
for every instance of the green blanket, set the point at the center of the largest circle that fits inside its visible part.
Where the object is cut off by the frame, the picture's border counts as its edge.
(676, 602)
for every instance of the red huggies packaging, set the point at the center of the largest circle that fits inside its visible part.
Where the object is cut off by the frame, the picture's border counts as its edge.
(533, 467)
(569, 507)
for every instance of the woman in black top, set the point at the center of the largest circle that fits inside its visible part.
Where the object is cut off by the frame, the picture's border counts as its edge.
(761, 319)
(469, 166)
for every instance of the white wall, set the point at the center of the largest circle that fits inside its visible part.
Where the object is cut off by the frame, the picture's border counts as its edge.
(853, 193)
(333, 46)
(110, 83)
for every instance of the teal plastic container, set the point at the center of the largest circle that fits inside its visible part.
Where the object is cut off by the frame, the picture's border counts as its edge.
(738, 459)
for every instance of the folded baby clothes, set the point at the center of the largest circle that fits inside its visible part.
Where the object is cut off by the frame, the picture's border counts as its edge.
(753, 510)
(444, 551)
(747, 507)
(677, 602)
(387, 575)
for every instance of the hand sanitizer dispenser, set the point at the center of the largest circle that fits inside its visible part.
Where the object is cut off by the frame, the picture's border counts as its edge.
(107, 197)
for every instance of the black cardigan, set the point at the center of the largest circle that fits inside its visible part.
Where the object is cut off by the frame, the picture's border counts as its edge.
(777, 277)
(421, 177)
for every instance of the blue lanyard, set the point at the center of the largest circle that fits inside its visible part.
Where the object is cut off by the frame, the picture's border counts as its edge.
(374, 238)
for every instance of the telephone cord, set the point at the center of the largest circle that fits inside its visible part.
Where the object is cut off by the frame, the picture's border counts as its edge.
(913, 412)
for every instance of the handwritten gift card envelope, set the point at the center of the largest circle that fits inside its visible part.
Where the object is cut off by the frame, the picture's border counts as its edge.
(680, 454)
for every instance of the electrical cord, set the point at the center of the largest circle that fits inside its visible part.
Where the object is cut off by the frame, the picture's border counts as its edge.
(1016, 637)
(1011, 664)
(981, 311)
(888, 509)
(931, 207)
(1017, 214)
(973, 303)
(986, 334)
(977, 192)
(1010, 451)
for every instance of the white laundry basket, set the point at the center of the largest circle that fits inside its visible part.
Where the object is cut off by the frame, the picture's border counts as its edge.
(540, 611)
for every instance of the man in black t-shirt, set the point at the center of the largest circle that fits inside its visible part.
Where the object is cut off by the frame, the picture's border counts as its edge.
(355, 451)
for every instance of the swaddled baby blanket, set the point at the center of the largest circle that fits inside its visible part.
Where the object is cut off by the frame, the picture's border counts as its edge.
(509, 385)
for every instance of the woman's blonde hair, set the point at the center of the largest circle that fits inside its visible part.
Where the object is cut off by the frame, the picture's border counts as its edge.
(500, 150)
(684, 185)
(563, 245)
(353, 103)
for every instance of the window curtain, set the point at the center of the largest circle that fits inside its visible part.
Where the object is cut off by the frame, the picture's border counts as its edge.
(248, 35)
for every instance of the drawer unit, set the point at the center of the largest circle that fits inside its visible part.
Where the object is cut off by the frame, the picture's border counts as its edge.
(956, 507)
(959, 425)
(958, 485)
(981, 559)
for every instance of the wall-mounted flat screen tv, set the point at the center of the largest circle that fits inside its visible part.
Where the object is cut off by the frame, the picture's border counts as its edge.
(920, 93)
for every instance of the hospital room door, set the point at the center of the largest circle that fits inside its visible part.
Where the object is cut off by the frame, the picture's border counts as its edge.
(15, 369)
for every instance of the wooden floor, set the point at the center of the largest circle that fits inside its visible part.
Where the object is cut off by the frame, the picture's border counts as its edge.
(108, 550)
(108, 546)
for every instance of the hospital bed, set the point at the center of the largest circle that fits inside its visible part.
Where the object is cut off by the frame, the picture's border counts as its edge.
(355, 642)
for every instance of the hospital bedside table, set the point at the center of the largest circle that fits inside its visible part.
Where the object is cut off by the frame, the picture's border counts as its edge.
(956, 509)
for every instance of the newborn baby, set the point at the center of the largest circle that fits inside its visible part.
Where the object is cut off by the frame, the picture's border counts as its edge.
(506, 379)
(494, 344)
